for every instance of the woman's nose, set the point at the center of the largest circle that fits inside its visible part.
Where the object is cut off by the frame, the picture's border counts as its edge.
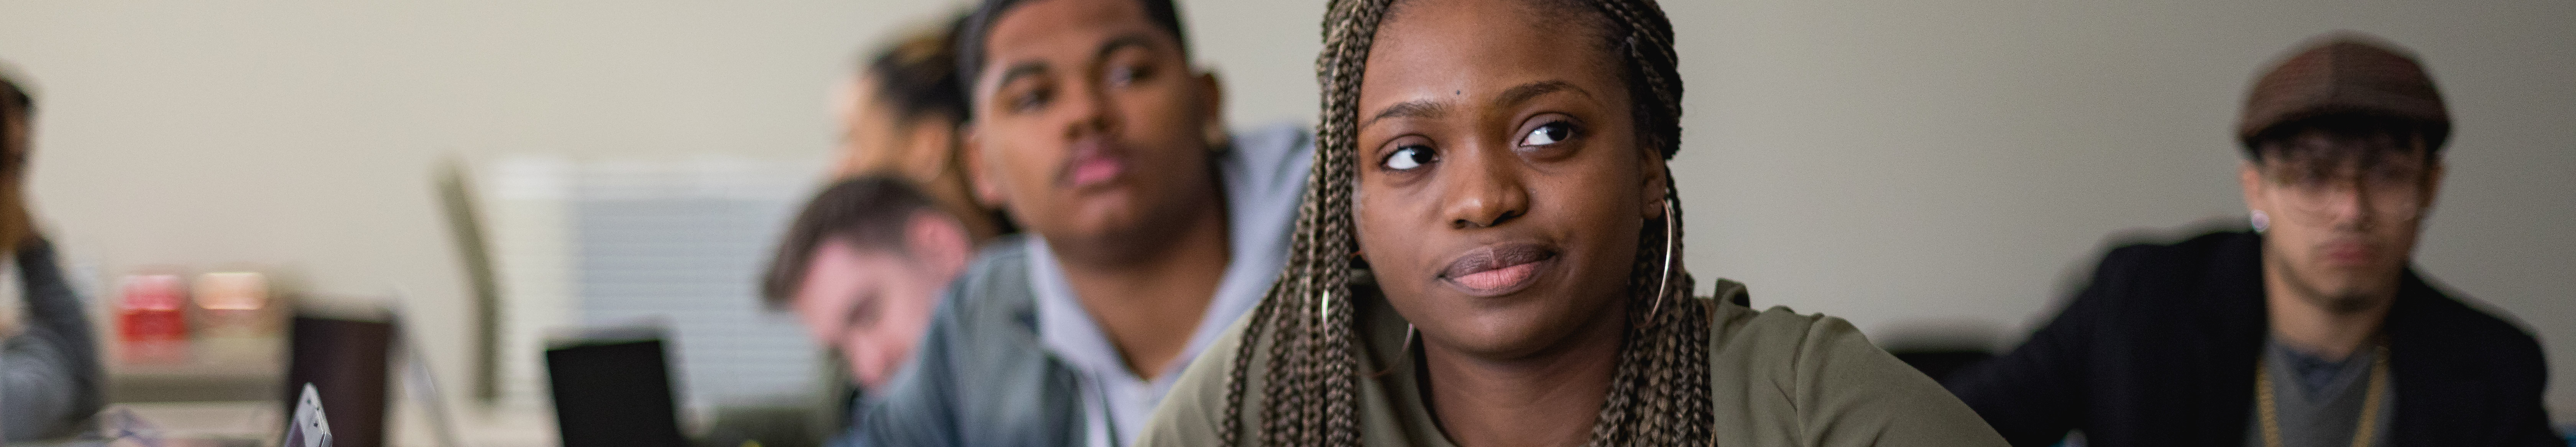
(1486, 189)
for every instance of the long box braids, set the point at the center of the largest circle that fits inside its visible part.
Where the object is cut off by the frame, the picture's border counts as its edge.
(1659, 394)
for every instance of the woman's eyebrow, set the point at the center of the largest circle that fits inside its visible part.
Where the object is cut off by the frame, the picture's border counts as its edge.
(1419, 108)
(1424, 108)
(1525, 92)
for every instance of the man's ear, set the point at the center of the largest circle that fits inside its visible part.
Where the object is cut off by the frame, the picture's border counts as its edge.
(938, 242)
(1212, 107)
(2249, 177)
(988, 181)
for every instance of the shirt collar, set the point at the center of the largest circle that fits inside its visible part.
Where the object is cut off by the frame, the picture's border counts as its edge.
(1255, 241)
(1263, 177)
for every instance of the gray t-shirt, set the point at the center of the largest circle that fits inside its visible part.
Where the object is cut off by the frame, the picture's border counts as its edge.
(2319, 402)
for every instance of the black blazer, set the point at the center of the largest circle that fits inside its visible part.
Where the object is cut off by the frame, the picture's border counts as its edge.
(2159, 350)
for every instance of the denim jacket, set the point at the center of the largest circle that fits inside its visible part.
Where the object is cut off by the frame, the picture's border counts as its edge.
(1010, 357)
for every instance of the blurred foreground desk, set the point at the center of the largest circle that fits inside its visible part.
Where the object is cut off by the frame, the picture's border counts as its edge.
(256, 423)
(476, 426)
(195, 383)
(241, 402)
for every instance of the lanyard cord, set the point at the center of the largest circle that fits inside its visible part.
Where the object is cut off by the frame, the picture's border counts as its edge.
(2365, 428)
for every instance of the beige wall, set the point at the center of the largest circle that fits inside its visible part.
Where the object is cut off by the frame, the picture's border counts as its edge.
(303, 134)
(1902, 164)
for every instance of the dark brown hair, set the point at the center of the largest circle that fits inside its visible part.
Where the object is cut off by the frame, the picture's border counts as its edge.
(917, 76)
(1659, 394)
(14, 100)
(2405, 134)
(870, 212)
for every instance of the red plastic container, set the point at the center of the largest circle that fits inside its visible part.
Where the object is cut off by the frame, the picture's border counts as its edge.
(151, 323)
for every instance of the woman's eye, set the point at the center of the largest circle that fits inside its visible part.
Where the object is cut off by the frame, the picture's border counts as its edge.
(1547, 134)
(1409, 157)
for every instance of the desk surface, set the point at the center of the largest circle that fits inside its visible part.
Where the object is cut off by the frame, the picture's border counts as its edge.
(256, 422)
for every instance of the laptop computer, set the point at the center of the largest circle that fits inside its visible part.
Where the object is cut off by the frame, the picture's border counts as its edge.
(613, 389)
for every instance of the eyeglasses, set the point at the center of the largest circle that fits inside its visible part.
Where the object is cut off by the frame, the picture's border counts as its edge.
(2390, 186)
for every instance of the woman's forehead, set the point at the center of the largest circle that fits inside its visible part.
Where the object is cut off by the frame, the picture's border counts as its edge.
(1470, 49)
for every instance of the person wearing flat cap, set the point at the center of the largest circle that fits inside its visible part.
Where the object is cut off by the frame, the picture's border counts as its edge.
(2311, 329)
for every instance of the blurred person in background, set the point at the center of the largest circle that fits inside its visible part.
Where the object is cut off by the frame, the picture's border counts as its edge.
(2311, 330)
(49, 370)
(862, 266)
(1150, 227)
(900, 117)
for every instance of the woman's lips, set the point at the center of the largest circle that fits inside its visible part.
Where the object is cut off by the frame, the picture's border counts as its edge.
(1496, 270)
(1497, 278)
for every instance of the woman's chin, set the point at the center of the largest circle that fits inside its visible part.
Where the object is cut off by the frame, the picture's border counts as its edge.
(1508, 335)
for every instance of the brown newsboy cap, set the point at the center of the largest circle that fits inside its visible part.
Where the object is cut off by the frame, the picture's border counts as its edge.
(2345, 74)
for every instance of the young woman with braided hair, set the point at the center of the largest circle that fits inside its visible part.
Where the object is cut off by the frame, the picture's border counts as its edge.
(1488, 255)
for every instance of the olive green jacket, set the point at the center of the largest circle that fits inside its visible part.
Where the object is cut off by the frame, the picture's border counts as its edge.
(1776, 378)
